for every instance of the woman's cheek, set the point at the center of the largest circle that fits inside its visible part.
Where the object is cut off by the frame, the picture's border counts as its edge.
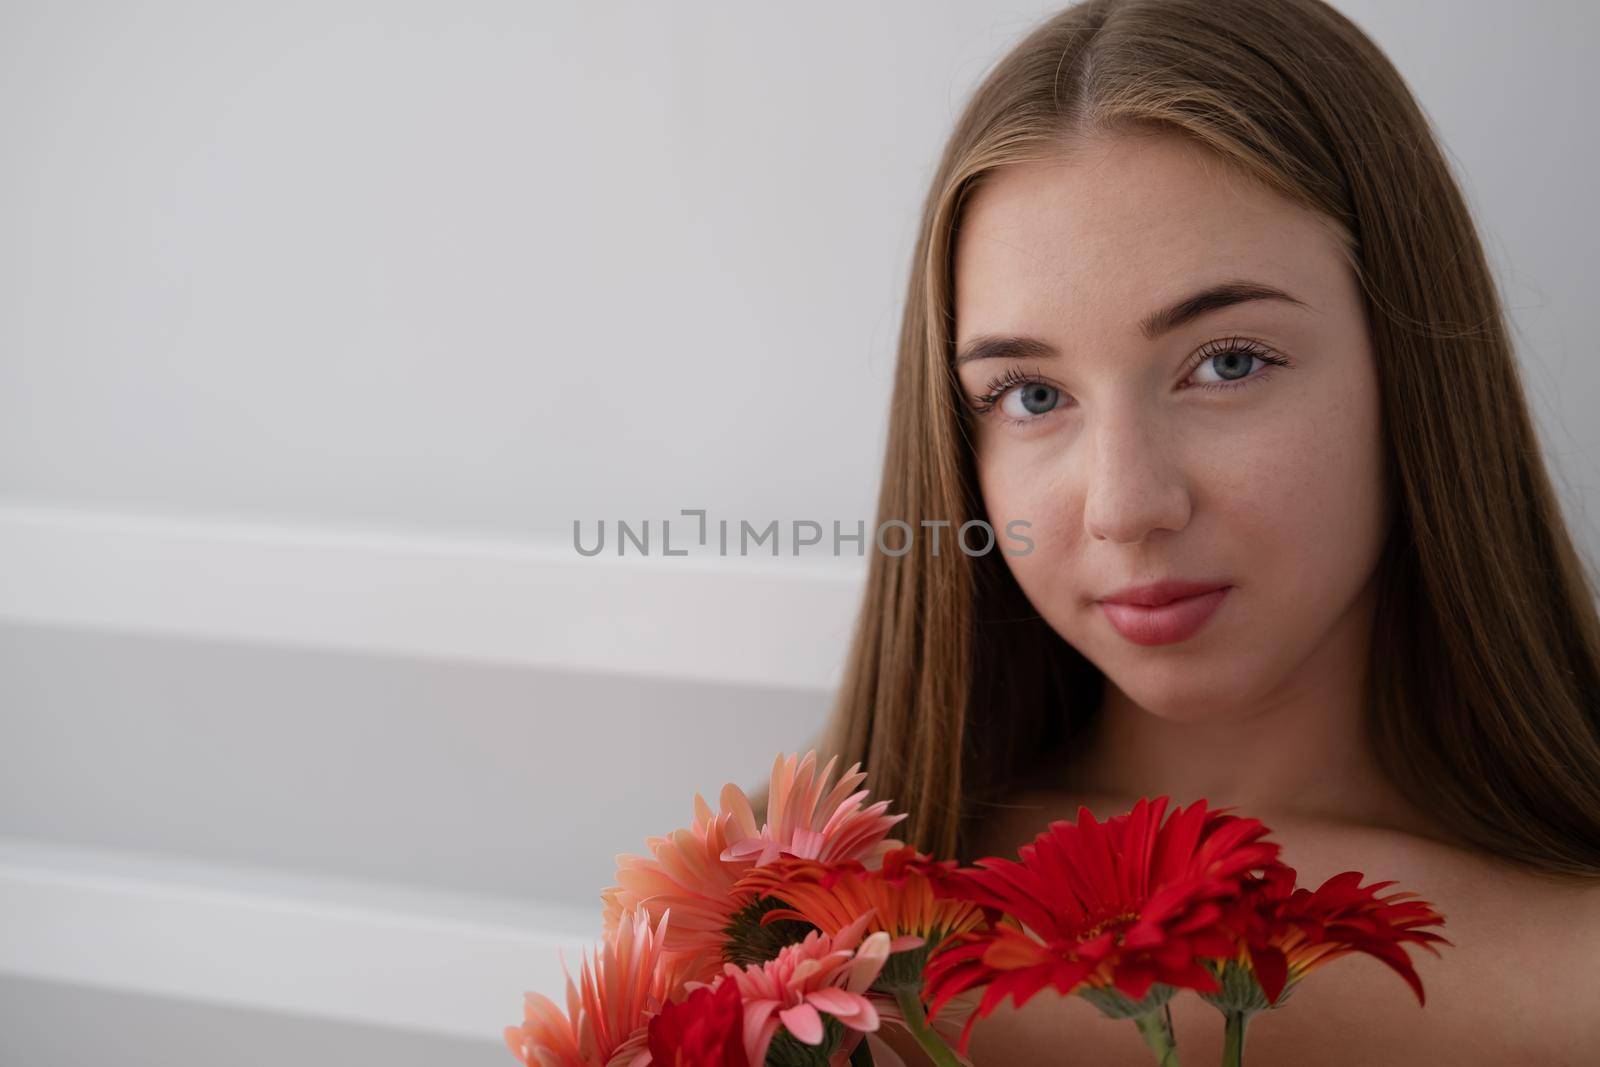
(1043, 503)
(1304, 513)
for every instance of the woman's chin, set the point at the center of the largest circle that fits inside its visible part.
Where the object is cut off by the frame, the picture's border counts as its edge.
(1187, 696)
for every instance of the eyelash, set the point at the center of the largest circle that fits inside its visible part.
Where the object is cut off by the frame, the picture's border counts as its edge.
(998, 386)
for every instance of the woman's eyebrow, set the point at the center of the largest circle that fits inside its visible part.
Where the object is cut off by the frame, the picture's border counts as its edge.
(1210, 299)
(1153, 325)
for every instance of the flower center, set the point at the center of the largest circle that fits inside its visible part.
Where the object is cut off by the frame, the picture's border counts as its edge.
(1127, 918)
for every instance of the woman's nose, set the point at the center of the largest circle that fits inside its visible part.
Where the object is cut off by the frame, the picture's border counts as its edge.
(1133, 485)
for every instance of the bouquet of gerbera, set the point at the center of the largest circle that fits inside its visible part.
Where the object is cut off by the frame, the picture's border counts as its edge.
(798, 941)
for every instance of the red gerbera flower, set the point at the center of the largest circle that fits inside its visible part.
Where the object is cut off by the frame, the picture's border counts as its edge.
(1102, 909)
(706, 1029)
(1285, 933)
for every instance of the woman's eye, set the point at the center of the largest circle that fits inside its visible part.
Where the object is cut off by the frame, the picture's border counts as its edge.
(1030, 400)
(1228, 366)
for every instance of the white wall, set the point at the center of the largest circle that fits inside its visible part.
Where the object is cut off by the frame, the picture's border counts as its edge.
(321, 322)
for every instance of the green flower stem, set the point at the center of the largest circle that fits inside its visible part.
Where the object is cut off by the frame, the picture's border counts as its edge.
(910, 1001)
(1156, 1029)
(1233, 1038)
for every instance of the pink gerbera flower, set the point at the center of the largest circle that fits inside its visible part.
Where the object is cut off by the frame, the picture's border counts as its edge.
(624, 983)
(811, 993)
(693, 872)
(809, 821)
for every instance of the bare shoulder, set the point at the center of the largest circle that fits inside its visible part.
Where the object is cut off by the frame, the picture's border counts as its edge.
(1518, 976)
(1542, 926)
(1515, 984)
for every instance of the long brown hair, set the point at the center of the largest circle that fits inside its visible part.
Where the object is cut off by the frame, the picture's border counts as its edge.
(1485, 666)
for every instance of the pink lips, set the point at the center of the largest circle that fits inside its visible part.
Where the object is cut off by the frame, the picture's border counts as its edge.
(1165, 612)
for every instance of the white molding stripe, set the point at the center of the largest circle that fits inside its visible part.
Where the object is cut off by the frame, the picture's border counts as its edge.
(455, 965)
(774, 622)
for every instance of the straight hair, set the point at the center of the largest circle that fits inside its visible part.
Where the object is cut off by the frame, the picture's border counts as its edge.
(1485, 658)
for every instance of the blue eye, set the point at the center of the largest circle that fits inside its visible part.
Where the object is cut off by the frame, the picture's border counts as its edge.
(1021, 397)
(1031, 399)
(1230, 366)
(1232, 360)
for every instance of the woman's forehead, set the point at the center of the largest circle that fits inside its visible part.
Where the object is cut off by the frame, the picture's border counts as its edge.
(1122, 223)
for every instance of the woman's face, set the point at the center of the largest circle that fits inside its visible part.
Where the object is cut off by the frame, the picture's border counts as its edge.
(1235, 440)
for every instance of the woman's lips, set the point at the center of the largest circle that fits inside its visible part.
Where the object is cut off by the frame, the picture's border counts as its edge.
(1175, 621)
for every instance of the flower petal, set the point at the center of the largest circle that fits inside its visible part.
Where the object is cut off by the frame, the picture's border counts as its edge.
(803, 1022)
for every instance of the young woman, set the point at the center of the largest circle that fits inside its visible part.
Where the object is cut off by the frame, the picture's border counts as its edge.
(1197, 299)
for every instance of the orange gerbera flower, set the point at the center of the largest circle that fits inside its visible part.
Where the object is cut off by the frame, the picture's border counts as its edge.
(898, 896)
(1123, 912)
(1286, 933)
(621, 986)
(694, 872)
